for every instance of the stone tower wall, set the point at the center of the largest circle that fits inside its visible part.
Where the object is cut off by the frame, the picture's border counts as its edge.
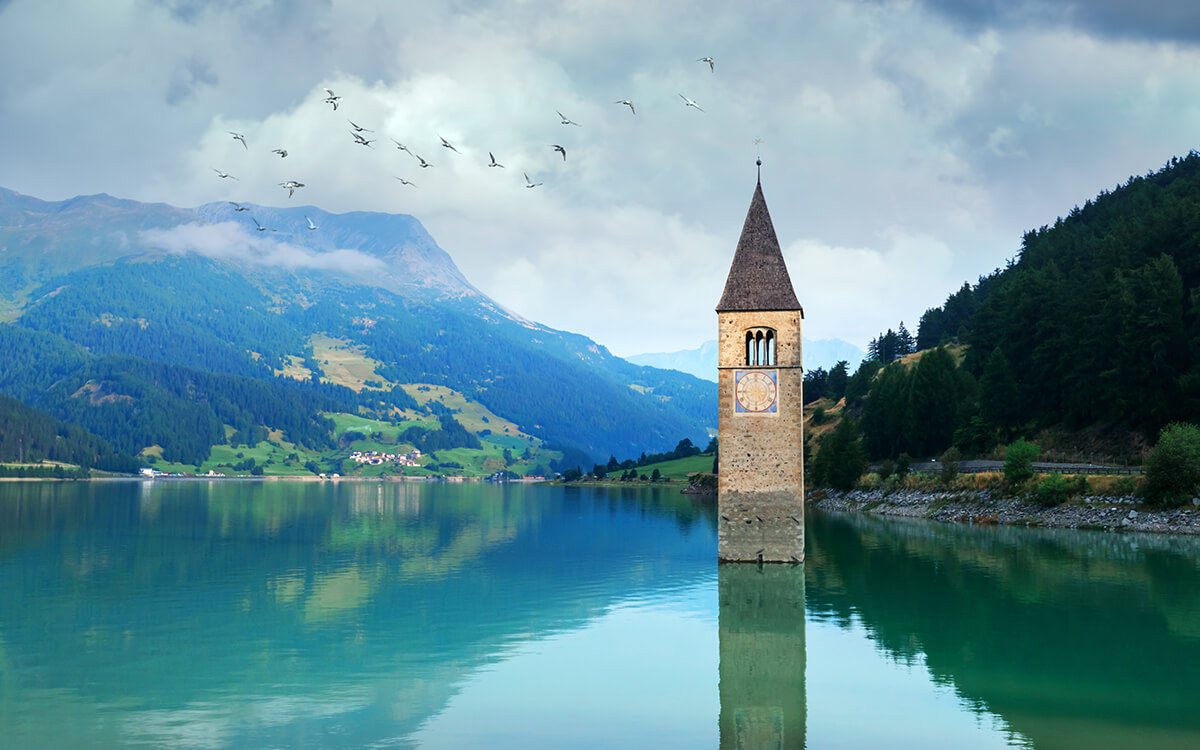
(761, 474)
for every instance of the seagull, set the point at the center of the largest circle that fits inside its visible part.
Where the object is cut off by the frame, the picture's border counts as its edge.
(566, 120)
(360, 140)
(291, 186)
(238, 207)
(281, 151)
(560, 150)
(359, 128)
(332, 99)
(405, 182)
(424, 164)
(311, 226)
(260, 227)
(223, 175)
(239, 137)
(629, 104)
(711, 65)
(689, 102)
(494, 162)
(449, 145)
(528, 182)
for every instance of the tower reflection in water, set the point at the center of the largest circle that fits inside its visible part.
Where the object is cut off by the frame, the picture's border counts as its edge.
(761, 624)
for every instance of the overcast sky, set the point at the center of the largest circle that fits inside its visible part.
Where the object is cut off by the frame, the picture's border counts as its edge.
(906, 144)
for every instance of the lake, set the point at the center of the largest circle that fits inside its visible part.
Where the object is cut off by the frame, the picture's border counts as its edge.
(242, 614)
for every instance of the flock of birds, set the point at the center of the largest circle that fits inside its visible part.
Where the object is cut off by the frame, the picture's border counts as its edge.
(357, 133)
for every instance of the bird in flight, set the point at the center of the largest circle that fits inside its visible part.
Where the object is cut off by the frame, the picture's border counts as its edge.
(359, 128)
(238, 207)
(239, 137)
(281, 151)
(560, 150)
(223, 175)
(689, 102)
(291, 186)
(401, 146)
(405, 182)
(712, 66)
(311, 226)
(360, 140)
(332, 99)
(424, 164)
(528, 182)
(494, 162)
(566, 120)
(258, 226)
(629, 104)
(449, 145)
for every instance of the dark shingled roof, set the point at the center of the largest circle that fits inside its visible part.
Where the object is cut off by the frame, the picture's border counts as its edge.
(758, 278)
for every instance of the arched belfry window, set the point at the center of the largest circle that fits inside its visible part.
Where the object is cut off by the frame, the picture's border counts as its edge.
(760, 347)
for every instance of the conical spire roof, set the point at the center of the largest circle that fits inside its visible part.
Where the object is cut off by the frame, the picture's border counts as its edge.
(758, 278)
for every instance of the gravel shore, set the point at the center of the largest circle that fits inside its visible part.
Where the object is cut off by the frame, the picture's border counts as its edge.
(982, 508)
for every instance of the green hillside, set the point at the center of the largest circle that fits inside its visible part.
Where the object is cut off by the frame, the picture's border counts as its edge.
(165, 350)
(1090, 337)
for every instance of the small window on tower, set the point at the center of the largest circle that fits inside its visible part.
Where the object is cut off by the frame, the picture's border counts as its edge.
(760, 347)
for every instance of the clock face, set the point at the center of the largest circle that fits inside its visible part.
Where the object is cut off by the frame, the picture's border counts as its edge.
(755, 392)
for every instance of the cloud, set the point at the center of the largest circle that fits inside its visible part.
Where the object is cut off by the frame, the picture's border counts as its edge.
(230, 242)
(907, 273)
(956, 125)
(186, 77)
(1158, 20)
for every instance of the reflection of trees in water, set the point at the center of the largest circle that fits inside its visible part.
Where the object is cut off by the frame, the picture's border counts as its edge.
(363, 598)
(1082, 635)
(761, 625)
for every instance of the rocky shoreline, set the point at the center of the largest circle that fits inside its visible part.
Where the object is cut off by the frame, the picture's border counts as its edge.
(984, 508)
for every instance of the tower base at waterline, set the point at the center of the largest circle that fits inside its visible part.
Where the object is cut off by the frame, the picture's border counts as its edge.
(761, 527)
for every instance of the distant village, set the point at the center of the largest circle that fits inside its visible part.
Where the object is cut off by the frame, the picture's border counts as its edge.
(375, 458)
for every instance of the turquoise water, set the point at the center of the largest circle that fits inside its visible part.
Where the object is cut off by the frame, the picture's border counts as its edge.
(344, 615)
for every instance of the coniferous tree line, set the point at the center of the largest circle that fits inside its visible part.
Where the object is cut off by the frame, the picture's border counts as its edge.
(179, 310)
(892, 345)
(31, 436)
(451, 435)
(1098, 319)
(133, 403)
(831, 384)
(1096, 323)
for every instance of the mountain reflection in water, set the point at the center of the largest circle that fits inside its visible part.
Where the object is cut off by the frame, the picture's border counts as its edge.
(257, 614)
(275, 614)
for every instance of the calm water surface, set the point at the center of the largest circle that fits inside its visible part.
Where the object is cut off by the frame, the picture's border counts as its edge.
(346, 615)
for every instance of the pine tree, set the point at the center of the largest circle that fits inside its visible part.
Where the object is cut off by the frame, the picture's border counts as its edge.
(839, 377)
(933, 403)
(840, 460)
(884, 413)
(999, 393)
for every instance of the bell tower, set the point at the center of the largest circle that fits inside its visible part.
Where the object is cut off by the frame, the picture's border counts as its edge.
(760, 479)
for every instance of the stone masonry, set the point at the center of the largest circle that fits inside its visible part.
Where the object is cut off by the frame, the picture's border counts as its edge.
(760, 478)
(760, 482)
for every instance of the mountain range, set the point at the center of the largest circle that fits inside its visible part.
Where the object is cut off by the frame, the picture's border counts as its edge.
(153, 325)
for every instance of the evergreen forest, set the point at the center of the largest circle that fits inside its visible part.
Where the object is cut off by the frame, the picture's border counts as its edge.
(1090, 334)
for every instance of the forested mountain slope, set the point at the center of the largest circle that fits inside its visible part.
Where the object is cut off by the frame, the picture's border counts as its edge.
(164, 317)
(1099, 315)
(31, 436)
